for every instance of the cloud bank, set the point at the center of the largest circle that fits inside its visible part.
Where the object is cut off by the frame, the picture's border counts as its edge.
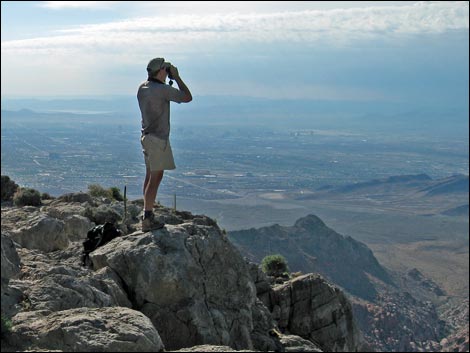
(332, 27)
(89, 5)
(356, 53)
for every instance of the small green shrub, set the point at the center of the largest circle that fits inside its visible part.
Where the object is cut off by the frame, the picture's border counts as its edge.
(27, 197)
(6, 326)
(8, 188)
(274, 265)
(97, 190)
(116, 193)
(112, 193)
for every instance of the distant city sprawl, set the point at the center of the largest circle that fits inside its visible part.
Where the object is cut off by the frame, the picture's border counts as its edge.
(57, 154)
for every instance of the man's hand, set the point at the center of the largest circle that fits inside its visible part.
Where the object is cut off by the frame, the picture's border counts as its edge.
(174, 72)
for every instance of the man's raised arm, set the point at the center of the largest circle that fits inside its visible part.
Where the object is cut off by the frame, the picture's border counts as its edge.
(181, 85)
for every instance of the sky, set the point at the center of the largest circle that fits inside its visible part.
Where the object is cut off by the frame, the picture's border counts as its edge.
(359, 51)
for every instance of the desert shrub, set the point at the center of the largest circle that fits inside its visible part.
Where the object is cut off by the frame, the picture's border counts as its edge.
(97, 190)
(9, 188)
(112, 193)
(116, 193)
(6, 326)
(274, 265)
(27, 197)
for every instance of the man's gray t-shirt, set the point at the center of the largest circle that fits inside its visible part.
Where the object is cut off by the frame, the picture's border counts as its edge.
(154, 102)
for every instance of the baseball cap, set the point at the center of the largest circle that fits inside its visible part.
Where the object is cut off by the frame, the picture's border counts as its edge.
(156, 64)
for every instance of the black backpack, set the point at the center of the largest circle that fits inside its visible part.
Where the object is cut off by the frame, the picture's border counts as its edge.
(96, 237)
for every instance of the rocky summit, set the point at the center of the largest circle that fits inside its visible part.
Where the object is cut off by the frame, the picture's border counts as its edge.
(181, 287)
(310, 244)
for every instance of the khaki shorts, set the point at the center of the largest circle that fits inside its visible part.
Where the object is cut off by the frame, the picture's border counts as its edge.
(157, 153)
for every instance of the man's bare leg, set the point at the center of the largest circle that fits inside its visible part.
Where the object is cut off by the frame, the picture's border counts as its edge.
(151, 184)
(146, 181)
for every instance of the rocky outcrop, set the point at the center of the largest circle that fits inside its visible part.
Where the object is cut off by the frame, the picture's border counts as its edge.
(312, 313)
(48, 228)
(310, 307)
(189, 280)
(399, 324)
(456, 314)
(183, 286)
(457, 341)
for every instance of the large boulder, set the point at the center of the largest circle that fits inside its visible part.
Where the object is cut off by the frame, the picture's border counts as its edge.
(310, 307)
(110, 329)
(76, 227)
(190, 280)
(61, 210)
(43, 233)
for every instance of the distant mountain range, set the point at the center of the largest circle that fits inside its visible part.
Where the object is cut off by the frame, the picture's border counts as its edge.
(301, 113)
(309, 246)
(457, 211)
(453, 184)
(420, 183)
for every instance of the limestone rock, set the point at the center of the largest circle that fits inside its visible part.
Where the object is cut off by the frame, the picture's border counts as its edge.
(187, 285)
(259, 277)
(190, 280)
(262, 323)
(102, 214)
(294, 343)
(76, 227)
(79, 197)
(457, 341)
(54, 285)
(115, 329)
(10, 259)
(10, 295)
(310, 307)
(42, 232)
(399, 323)
(61, 210)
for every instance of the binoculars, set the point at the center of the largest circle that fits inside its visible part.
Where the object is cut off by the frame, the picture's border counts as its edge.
(167, 69)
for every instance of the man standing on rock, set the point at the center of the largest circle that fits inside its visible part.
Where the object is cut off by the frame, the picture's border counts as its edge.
(154, 97)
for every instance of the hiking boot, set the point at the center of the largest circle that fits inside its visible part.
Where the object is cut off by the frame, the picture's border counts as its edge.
(150, 223)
